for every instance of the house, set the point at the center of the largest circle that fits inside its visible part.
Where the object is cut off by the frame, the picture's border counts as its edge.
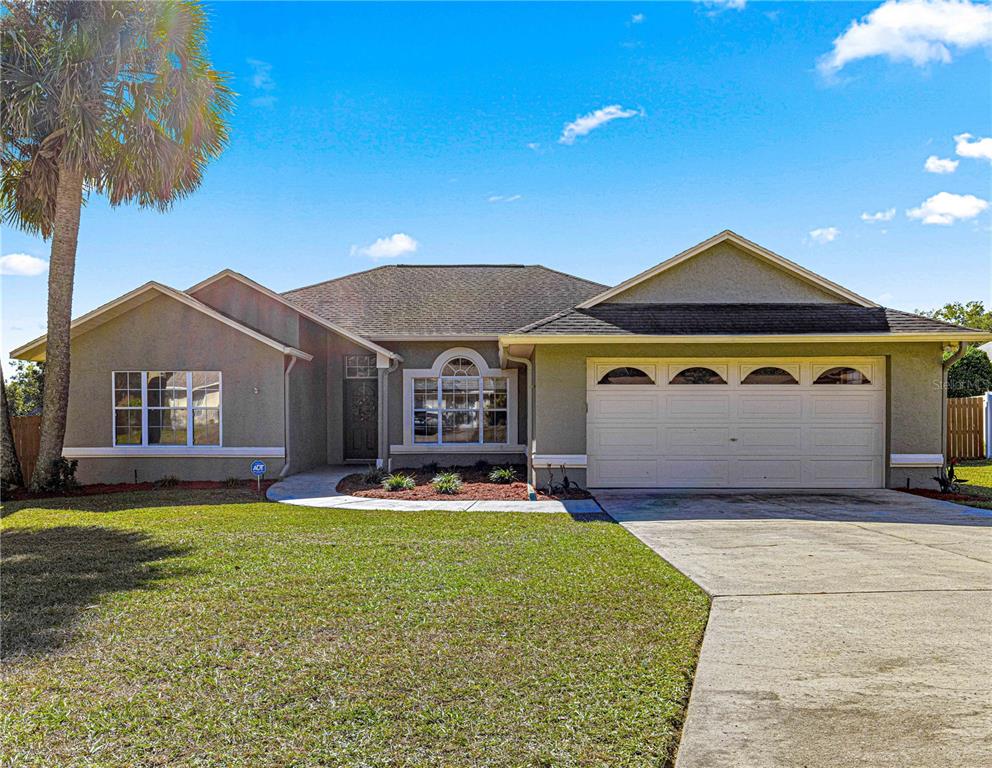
(724, 366)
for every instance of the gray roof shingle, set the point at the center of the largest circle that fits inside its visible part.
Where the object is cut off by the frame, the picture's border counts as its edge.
(733, 319)
(442, 300)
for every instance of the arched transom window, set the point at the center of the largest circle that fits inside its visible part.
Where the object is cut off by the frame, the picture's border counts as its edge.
(697, 375)
(769, 374)
(626, 375)
(842, 375)
(460, 406)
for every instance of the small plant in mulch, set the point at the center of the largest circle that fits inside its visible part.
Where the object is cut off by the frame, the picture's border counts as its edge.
(233, 482)
(948, 481)
(447, 483)
(169, 481)
(398, 482)
(502, 475)
(374, 476)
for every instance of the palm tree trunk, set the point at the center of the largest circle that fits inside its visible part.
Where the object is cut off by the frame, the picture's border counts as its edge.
(10, 472)
(61, 274)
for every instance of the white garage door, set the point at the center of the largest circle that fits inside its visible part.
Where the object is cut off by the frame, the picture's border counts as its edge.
(790, 423)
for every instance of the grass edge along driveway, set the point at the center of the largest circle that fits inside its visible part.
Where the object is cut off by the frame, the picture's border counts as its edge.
(170, 628)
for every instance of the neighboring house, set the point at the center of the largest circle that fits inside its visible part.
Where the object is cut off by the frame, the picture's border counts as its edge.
(726, 365)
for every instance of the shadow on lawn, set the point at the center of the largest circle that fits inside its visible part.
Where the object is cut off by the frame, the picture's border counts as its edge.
(50, 575)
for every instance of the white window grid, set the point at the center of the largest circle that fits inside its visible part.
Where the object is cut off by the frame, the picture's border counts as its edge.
(145, 408)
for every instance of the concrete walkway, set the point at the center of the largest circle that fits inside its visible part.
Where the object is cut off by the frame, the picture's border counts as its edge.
(847, 629)
(317, 488)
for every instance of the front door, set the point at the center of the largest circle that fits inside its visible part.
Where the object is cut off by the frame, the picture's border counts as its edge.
(361, 408)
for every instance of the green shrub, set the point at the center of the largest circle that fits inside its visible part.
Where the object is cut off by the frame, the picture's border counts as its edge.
(398, 482)
(169, 481)
(503, 475)
(447, 482)
(374, 476)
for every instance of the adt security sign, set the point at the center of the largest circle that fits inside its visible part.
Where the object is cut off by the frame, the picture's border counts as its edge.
(258, 469)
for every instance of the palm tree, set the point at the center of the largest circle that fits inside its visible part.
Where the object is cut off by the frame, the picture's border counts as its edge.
(10, 464)
(116, 98)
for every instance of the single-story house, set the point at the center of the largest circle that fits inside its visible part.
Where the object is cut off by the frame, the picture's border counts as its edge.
(724, 366)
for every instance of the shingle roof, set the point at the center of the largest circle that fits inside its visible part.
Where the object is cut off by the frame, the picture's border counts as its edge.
(733, 319)
(443, 300)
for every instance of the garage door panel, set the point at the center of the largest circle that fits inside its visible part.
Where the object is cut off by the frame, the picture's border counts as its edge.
(610, 407)
(699, 471)
(758, 440)
(621, 441)
(844, 473)
(769, 471)
(691, 406)
(770, 406)
(695, 440)
(626, 472)
(853, 407)
(844, 440)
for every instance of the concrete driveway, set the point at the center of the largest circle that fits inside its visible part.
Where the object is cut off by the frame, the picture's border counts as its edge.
(847, 628)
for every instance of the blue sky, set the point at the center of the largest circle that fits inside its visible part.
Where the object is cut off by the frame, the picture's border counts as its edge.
(446, 124)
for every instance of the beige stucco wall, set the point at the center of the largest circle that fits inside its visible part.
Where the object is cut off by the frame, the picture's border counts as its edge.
(723, 273)
(308, 400)
(422, 354)
(914, 391)
(337, 347)
(164, 334)
(256, 310)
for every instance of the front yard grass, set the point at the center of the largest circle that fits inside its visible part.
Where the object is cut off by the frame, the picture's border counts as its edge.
(169, 628)
(979, 485)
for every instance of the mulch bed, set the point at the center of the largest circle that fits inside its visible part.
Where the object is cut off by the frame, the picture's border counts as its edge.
(22, 494)
(475, 487)
(965, 497)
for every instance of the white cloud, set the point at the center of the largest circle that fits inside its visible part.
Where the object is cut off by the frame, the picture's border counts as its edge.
(504, 198)
(886, 215)
(824, 234)
(593, 120)
(919, 31)
(261, 75)
(637, 18)
(533, 146)
(391, 247)
(979, 148)
(22, 264)
(936, 164)
(946, 208)
(724, 5)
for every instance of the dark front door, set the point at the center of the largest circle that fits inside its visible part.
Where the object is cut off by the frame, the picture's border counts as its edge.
(361, 418)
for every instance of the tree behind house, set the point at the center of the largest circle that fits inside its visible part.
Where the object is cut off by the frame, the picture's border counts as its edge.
(114, 98)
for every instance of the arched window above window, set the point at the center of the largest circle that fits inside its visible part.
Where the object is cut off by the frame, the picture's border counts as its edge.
(626, 375)
(697, 375)
(842, 375)
(769, 375)
(460, 366)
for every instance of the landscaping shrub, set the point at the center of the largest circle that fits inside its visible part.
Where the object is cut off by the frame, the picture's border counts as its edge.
(398, 482)
(374, 476)
(169, 481)
(502, 475)
(447, 482)
(233, 482)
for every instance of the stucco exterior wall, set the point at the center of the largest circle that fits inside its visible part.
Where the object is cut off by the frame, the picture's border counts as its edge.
(254, 309)
(308, 400)
(163, 334)
(422, 354)
(723, 273)
(337, 347)
(914, 398)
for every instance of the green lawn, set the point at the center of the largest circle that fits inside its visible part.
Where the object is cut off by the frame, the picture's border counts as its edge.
(171, 628)
(979, 477)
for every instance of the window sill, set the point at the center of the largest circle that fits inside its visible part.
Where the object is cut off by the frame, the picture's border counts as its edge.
(183, 451)
(458, 448)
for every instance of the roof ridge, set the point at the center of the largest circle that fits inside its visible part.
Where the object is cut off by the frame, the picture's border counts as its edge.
(336, 279)
(569, 274)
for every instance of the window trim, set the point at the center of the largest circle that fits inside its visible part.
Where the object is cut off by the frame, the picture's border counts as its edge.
(145, 446)
(434, 372)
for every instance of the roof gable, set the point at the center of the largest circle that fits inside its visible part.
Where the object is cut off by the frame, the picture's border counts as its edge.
(35, 350)
(727, 268)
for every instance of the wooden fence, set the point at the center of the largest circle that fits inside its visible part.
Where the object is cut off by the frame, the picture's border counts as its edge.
(966, 427)
(27, 440)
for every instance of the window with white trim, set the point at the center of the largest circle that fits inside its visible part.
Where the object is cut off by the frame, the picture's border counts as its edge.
(460, 406)
(167, 408)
